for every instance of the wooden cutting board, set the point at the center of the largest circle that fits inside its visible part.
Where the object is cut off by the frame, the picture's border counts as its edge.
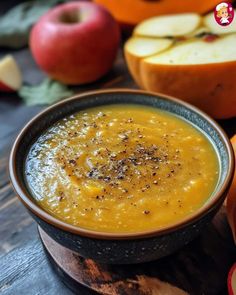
(199, 268)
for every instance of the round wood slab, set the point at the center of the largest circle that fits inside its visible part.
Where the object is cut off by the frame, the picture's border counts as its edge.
(199, 268)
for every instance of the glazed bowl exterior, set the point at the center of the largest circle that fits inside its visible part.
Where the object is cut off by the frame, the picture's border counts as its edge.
(122, 248)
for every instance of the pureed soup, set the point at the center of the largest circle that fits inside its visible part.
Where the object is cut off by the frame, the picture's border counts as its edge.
(122, 168)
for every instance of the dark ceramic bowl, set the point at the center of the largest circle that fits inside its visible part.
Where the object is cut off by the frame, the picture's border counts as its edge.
(113, 247)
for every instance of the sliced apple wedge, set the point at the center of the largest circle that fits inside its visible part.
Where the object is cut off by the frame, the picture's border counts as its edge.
(142, 47)
(202, 73)
(169, 25)
(194, 52)
(210, 22)
(137, 48)
(10, 75)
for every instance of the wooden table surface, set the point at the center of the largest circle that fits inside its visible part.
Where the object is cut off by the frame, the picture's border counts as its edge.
(23, 266)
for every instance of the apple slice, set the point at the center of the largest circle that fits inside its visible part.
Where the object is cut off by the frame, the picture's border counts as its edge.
(199, 32)
(200, 72)
(137, 48)
(198, 52)
(210, 22)
(143, 47)
(232, 280)
(169, 25)
(10, 75)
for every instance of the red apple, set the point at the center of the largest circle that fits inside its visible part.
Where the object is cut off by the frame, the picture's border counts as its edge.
(10, 75)
(76, 42)
(232, 280)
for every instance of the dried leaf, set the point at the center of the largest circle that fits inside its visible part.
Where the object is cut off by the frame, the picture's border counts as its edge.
(15, 25)
(48, 92)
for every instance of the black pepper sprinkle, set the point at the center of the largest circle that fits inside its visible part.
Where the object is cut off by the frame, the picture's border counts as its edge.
(146, 212)
(119, 167)
(90, 174)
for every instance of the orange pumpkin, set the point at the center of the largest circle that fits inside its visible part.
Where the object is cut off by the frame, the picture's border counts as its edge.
(131, 12)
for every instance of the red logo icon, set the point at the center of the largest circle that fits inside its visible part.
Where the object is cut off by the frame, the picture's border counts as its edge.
(224, 13)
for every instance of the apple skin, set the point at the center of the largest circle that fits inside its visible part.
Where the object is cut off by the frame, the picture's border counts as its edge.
(5, 88)
(72, 51)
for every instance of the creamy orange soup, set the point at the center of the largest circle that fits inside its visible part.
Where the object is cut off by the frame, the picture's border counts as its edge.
(122, 168)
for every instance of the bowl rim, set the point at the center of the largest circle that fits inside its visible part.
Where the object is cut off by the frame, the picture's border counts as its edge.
(26, 198)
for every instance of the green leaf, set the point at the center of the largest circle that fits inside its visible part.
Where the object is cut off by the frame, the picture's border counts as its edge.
(15, 25)
(48, 92)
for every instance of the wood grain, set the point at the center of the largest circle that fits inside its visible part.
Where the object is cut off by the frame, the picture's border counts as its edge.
(199, 268)
(26, 271)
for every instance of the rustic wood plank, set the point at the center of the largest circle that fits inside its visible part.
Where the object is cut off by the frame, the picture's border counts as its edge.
(17, 226)
(21, 270)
